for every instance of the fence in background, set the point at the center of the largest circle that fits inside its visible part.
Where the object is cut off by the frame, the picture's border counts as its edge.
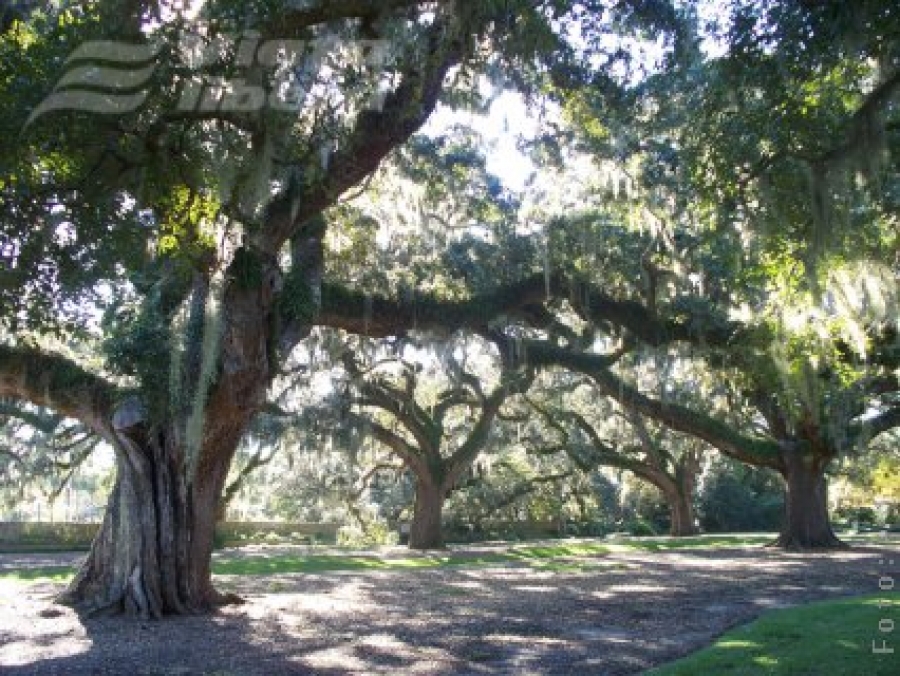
(19, 536)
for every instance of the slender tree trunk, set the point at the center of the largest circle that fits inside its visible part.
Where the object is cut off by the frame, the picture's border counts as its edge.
(806, 522)
(681, 513)
(426, 530)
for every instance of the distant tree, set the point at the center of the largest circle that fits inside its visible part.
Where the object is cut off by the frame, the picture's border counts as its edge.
(437, 437)
(585, 430)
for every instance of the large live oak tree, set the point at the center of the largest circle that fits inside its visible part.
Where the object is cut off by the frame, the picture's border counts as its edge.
(801, 436)
(197, 338)
(783, 148)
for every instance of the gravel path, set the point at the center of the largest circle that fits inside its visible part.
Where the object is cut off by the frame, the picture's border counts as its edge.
(628, 612)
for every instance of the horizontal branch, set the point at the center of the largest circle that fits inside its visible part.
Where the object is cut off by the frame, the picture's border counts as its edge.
(57, 383)
(378, 317)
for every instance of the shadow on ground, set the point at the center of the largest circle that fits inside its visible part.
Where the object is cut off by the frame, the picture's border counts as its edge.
(617, 614)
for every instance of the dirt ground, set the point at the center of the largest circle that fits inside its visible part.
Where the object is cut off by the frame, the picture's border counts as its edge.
(623, 614)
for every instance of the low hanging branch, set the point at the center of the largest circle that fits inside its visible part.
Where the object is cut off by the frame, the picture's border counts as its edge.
(754, 450)
(58, 383)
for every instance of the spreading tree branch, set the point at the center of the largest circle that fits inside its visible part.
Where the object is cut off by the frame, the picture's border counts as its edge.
(57, 383)
(753, 450)
(376, 133)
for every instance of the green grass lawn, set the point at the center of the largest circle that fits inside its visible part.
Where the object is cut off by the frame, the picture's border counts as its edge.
(41, 574)
(829, 638)
(287, 563)
(654, 544)
(561, 556)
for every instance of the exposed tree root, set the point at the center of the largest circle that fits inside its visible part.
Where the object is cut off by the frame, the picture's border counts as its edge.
(795, 543)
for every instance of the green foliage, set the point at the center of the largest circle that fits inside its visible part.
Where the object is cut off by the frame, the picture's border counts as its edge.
(64, 222)
(645, 510)
(736, 497)
(373, 534)
(185, 224)
(856, 516)
(139, 345)
(886, 478)
(295, 302)
(775, 132)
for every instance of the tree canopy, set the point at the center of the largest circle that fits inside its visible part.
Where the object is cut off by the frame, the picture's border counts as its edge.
(190, 195)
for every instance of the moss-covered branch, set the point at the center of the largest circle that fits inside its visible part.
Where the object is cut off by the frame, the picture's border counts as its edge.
(57, 383)
(374, 136)
(465, 454)
(397, 444)
(378, 316)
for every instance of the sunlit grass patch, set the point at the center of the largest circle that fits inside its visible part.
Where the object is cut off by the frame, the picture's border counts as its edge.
(283, 563)
(829, 637)
(42, 574)
(559, 556)
(698, 542)
(287, 563)
(558, 551)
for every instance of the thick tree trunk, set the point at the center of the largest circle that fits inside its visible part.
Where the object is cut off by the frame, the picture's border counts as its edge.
(806, 522)
(426, 530)
(681, 513)
(680, 497)
(153, 552)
